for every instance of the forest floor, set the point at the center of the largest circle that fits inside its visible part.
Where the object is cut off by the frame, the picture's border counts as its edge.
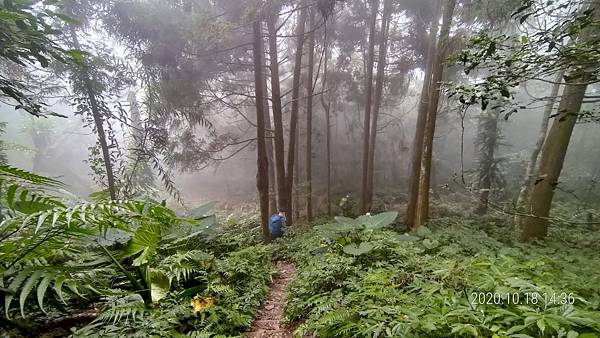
(270, 320)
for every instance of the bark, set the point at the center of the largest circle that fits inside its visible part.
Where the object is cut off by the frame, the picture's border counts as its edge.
(535, 225)
(489, 143)
(527, 184)
(327, 108)
(269, 147)
(379, 78)
(296, 186)
(309, 109)
(294, 111)
(417, 154)
(422, 212)
(262, 175)
(98, 120)
(368, 102)
(282, 194)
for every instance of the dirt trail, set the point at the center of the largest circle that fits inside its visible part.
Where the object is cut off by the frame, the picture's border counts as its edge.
(269, 322)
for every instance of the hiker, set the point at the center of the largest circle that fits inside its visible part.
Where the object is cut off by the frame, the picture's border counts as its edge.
(277, 223)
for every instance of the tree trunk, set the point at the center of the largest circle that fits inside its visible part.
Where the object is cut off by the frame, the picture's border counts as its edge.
(309, 108)
(417, 154)
(296, 186)
(535, 225)
(379, 78)
(488, 143)
(554, 150)
(422, 212)
(282, 194)
(269, 146)
(369, 98)
(327, 107)
(527, 184)
(262, 175)
(294, 111)
(98, 120)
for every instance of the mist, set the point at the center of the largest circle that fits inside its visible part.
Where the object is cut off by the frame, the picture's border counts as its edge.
(279, 168)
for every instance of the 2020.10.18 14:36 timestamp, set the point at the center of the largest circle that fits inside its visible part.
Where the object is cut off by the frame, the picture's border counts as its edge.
(525, 298)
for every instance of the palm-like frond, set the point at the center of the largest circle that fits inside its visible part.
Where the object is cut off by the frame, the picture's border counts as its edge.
(67, 249)
(42, 248)
(25, 192)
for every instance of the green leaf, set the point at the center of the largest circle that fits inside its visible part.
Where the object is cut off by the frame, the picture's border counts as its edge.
(407, 238)
(31, 207)
(134, 282)
(10, 195)
(357, 250)
(380, 220)
(430, 243)
(27, 287)
(144, 242)
(12, 290)
(41, 220)
(515, 328)
(41, 290)
(58, 283)
(159, 285)
(346, 222)
(423, 231)
(541, 324)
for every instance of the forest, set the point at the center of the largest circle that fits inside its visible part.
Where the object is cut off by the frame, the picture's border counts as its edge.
(300, 168)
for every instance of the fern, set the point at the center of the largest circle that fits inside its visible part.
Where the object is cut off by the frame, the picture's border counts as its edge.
(30, 241)
(182, 266)
(128, 308)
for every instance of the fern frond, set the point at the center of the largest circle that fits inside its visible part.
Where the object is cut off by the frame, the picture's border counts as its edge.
(41, 279)
(132, 307)
(183, 265)
(7, 171)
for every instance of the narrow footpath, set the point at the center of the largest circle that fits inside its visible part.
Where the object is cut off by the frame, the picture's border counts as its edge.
(269, 322)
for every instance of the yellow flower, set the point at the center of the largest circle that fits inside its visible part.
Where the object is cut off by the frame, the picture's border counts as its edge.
(199, 304)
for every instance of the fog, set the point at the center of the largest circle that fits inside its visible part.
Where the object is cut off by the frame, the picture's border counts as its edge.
(62, 151)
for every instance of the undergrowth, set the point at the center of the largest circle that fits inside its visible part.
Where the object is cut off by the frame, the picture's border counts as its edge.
(458, 277)
(123, 268)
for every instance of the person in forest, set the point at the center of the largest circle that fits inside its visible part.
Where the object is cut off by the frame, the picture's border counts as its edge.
(277, 224)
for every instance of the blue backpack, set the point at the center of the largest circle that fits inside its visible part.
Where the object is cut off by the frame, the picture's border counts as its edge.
(276, 225)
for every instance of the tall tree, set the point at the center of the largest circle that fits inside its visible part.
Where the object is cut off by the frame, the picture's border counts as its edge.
(270, 145)
(91, 94)
(528, 179)
(262, 175)
(422, 212)
(380, 79)
(417, 153)
(309, 110)
(535, 225)
(282, 194)
(487, 143)
(368, 105)
(326, 103)
(295, 106)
